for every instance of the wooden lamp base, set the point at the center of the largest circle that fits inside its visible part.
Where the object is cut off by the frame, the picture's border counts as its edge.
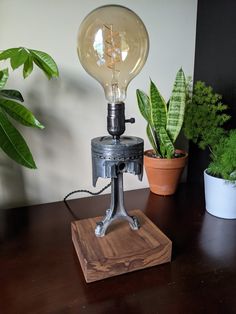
(121, 250)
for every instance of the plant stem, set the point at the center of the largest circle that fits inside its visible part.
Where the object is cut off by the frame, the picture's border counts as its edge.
(211, 151)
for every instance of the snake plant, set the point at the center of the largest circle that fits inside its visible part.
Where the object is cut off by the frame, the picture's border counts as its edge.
(11, 141)
(164, 120)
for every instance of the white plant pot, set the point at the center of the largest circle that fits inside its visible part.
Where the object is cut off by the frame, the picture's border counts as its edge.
(220, 197)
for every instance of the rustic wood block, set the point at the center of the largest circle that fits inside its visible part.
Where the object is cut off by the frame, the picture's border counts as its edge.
(121, 250)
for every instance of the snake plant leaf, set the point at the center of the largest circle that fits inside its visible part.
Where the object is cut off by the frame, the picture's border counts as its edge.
(45, 63)
(19, 58)
(151, 138)
(158, 108)
(28, 66)
(144, 105)
(20, 113)
(166, 147)
(13, 144)
(11, 94)
(3, 77)
(8, 53)
(175, 117)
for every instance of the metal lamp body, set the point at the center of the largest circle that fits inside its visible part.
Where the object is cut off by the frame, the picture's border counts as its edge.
(112, 156)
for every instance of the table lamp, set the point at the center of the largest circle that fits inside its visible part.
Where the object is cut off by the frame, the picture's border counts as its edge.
(112, 47)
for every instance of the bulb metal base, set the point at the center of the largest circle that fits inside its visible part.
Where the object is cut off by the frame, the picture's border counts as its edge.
(116, 119)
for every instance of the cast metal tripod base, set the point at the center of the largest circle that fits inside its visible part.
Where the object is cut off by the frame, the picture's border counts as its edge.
(117, 209)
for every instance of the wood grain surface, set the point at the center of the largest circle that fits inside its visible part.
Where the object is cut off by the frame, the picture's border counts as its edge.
(121, 250)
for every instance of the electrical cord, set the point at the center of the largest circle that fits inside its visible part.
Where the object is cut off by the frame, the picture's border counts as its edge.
(82, 191)
(87, 191)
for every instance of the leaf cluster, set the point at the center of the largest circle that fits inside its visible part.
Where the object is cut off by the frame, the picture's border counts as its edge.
(164, 120)
(27, 58)
(223, 162)
(205, 116)
(11, 107)
(204, 120)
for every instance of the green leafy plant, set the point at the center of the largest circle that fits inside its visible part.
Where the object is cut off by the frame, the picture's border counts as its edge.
(223, 162)
(204, 120)
(205, 116)
(11, 107)
(164, 120)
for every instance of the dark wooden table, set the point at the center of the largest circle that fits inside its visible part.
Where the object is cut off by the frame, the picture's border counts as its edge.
(40, 272)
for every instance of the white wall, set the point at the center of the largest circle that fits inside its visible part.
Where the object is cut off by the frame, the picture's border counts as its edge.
(73, 108)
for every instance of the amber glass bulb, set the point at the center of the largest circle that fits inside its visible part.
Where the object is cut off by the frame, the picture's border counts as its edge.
(113, 46)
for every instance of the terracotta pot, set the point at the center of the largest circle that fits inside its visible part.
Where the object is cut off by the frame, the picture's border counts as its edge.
(164, 174)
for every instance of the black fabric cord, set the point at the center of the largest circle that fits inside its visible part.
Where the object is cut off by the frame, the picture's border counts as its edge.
(87, 191)
(82, 191)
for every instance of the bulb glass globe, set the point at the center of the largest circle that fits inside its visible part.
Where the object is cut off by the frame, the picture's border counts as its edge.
(112, 47)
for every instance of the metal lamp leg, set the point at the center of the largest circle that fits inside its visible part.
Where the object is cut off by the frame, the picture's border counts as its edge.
(117, 209)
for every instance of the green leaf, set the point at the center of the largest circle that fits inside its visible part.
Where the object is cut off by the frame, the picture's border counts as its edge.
(3, 77)
(19, 58)
(11, 94)
(205, 115)
(223, 164)
(144, 105)
(20, 113)
(152, 139)
(21, 55)
(45, 63)
(28, 66)
(158, 108)
(13, 144)
(176, 110)
(167, 147)
(8, 53)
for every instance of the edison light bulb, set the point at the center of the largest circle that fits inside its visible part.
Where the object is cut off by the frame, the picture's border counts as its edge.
(113, 46)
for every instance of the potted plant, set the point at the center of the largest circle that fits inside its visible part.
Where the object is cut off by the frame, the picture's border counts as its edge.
(164, 163)
(11, 107)
(205, 117)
